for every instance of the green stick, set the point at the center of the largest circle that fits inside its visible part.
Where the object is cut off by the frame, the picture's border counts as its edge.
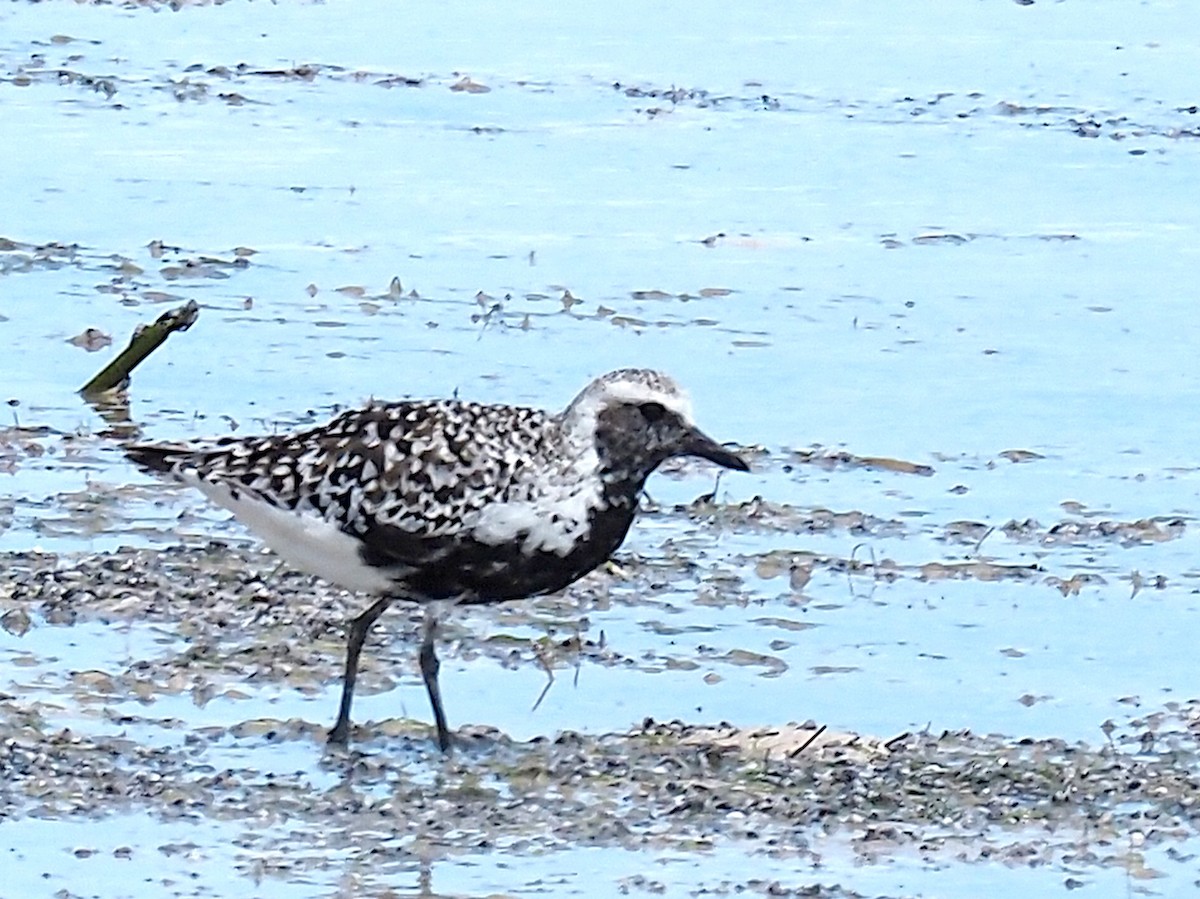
(146, 339)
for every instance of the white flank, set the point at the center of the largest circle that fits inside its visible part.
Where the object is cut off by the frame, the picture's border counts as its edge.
(501, 522)
(307, 542)
(552, 523)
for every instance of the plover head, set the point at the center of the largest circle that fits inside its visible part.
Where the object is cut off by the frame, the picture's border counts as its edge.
(635, 419)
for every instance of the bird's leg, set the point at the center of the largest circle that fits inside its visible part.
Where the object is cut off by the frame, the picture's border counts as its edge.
(359, 628)
(429, 671)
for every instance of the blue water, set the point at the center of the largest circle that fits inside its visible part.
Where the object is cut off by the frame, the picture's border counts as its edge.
(130, 855)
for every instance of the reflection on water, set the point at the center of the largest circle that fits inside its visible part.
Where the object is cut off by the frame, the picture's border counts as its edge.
(129, 854)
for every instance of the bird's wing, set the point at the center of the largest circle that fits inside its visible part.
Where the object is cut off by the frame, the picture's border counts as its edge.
(408, 479)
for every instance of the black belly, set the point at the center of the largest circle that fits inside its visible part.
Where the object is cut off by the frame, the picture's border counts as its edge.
(474, 572)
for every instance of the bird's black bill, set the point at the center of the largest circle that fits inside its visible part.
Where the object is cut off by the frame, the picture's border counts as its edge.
(705, 447)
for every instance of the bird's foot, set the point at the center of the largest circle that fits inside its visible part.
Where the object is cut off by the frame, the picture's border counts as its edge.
(339, 735)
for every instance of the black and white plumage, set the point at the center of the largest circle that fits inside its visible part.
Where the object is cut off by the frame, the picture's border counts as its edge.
(449, 500)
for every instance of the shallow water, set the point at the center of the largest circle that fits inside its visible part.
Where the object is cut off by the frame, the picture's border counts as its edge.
(934, 236)
(134, 856)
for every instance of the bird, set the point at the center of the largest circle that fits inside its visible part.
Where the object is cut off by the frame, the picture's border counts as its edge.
(448, 502)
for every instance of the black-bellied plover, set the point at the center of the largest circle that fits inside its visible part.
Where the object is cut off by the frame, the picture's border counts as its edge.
(444, 500)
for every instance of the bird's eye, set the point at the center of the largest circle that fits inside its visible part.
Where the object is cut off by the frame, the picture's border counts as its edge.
(653, 412)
